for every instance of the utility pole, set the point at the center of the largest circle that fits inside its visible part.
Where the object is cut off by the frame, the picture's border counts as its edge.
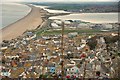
(118, 50)
(118, 26)
(62, 51)
(118, 40)
(84, 74)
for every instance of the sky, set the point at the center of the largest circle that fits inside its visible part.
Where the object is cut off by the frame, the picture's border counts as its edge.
(60, 0)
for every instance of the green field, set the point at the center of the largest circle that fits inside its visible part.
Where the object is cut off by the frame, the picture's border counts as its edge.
(66, 31)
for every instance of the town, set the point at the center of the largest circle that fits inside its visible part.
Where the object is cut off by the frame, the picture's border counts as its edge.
(87, 48)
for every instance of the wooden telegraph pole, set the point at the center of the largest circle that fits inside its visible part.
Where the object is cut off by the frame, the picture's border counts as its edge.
(118, 50)
(84, 74)
(118, 40)
(62, 51)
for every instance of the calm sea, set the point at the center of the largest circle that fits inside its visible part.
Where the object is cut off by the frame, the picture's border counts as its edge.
(90, 17)
(11, 12)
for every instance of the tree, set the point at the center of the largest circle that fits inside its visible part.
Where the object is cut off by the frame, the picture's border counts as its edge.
(92, 42)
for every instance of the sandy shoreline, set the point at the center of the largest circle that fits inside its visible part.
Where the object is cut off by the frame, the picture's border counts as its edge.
(29, 22)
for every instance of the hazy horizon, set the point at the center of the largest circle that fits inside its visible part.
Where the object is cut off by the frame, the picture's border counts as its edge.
(60, 1)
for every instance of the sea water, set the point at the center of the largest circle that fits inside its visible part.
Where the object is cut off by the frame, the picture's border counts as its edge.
(90, 17)
(12, 12)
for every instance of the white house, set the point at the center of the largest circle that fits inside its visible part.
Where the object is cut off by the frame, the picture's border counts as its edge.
(72, 34)
(83, 26)
(113, 34)
(72, 63)
(10, 57)
(32, 37)
(55, 25)
(3, 48)
(108, 26)
(5, 74)
(67, 22)
(58, 22)
(81, 47)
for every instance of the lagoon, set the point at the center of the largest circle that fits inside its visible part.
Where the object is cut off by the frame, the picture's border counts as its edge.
(90, 17)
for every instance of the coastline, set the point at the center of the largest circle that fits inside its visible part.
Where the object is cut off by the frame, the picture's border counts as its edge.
(29, 22)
